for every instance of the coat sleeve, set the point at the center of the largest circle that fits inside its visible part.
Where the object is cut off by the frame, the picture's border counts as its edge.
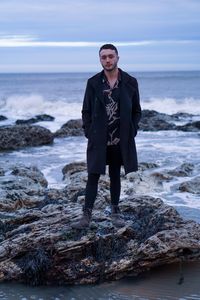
(136, 109)
(87, 109)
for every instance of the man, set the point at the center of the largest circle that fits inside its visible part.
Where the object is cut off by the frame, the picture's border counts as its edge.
(110, 113)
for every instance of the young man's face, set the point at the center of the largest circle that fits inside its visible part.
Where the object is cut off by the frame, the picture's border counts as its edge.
(108, 59)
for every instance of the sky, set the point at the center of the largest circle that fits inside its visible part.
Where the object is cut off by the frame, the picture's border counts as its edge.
(65, 35)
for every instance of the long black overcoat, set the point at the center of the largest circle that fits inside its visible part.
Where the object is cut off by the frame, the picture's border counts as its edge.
(94, 119)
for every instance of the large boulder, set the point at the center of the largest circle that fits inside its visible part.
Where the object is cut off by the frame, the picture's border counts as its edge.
(39, 246)
(191, 186)
(38, 118)
(71, 128)
(192, 126)
(153, 121)
(19, 136)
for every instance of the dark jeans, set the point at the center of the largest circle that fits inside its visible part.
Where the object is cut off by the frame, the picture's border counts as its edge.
(114, 161)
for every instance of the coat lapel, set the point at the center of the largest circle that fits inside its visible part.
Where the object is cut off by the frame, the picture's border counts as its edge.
(98, 88)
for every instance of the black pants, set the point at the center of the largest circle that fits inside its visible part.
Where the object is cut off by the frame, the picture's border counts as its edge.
(114, 161)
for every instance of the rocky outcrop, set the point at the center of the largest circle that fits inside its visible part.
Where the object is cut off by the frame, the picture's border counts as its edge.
(183, 170)
(193, 126)
(151, 121)
(72, 127)
(18, 136)
(191, 186)
(2, 118)
(39, 246)
(154, 121)
(38, 118)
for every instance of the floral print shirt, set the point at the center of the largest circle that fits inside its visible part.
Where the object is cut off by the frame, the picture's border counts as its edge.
(112, 104)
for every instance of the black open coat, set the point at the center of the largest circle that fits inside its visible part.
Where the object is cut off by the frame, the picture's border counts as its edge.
(95, 123)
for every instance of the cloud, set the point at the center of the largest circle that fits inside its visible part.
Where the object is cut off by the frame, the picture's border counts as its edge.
(33, 41)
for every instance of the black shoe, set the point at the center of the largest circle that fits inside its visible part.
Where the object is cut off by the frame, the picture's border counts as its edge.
(84, 222)
(116, 216)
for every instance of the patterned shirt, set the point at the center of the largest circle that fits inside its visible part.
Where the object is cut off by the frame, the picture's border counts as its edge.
(112, 103)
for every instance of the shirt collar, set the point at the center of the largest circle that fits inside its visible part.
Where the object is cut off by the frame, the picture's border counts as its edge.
(104, 78)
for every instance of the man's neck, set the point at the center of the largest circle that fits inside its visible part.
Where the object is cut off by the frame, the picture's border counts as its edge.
(112, 74)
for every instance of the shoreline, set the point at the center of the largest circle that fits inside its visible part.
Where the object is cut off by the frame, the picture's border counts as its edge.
(165, 282)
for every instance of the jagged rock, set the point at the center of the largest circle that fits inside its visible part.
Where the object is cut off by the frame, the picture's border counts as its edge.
(193, 126)
(191, 186)
(152, 121)
(71, 128)
(3, 118)
(181, 116)
(18, 136)
(184, 170)
(146, 166)
(38, 118)
(22, 187)
(30, 172)
(75, 167)
(39, 246)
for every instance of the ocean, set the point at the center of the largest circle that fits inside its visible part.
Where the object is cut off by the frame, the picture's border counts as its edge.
(60, 95)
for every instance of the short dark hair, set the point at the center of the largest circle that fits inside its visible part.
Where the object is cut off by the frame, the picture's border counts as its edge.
(108, 46)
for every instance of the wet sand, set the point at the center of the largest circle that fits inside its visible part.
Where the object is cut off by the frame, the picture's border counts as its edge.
(162, 283)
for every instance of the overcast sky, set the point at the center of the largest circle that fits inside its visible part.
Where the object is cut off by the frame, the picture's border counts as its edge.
(65, 35)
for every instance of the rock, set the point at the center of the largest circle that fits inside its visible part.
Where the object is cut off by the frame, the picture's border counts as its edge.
(42, 248)
(3, 118)
(22, 187)
(179, 116)
(193, 126)
(152, 121)
(75, 167)
(19, 136)
(30, 172)
(39, 246)
(71, 128)
(184, 170)
(191, 186)
(146, 166)
(38, 118)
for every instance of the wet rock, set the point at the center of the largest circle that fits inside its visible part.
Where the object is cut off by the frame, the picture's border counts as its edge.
(22, 187)
(75, 167)
(146, 166)
(3, 118)
(38, 118)
(19, 136)
(191, 186)
(48, 251)
(152, 121)
(162, 176)
(39, 246)
(193, 126)
(180, 116)
(71, 128)
(31, 172)
(185, 169)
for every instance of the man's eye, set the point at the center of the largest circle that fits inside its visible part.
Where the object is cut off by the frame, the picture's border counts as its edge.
(109, 56)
